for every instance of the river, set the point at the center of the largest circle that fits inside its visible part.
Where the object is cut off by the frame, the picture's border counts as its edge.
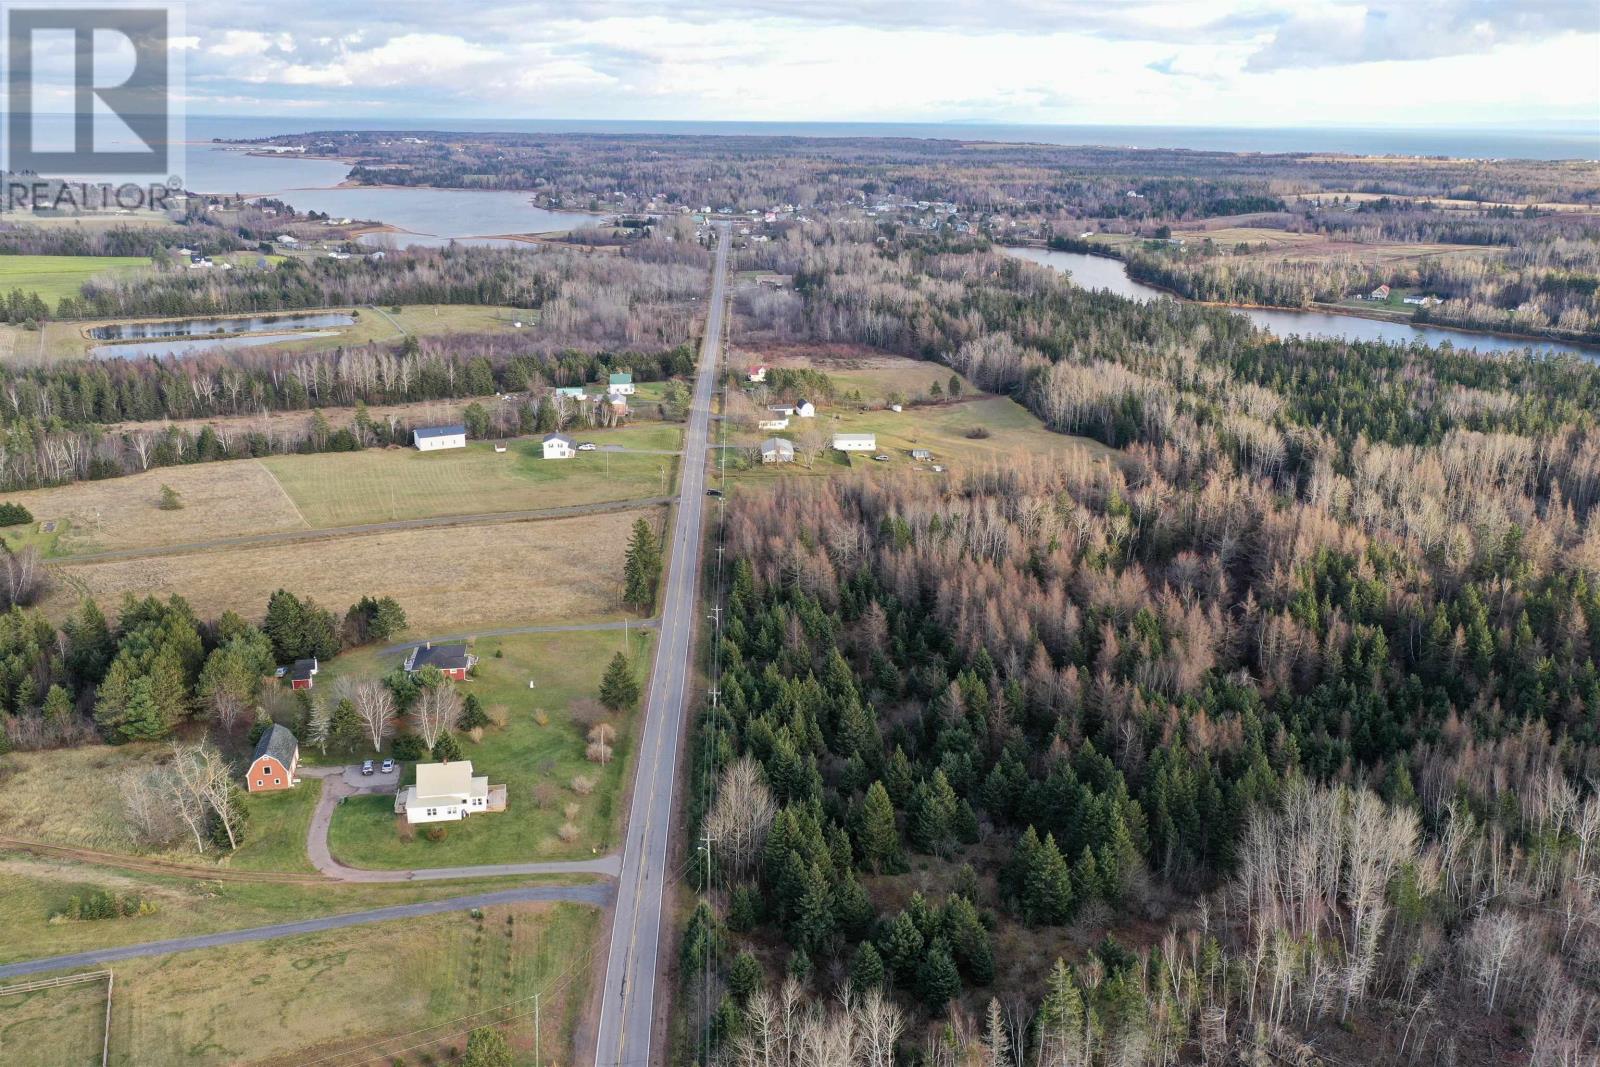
(1101, 272)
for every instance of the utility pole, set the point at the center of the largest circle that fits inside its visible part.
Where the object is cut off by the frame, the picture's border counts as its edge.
(537, 1059)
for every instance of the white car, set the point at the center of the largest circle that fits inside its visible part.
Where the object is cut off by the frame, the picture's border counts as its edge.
(588, 446)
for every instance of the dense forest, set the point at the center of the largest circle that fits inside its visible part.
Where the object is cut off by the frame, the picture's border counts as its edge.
(1279, 733)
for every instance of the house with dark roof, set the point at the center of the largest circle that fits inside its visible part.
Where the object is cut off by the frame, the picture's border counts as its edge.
(452, 660)
(302, 673)
(273, 765)
(433, 438)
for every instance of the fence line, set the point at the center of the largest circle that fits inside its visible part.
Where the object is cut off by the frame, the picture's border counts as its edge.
(73, 979)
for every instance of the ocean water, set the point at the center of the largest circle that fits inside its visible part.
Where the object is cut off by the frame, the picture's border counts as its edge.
(1469, 142)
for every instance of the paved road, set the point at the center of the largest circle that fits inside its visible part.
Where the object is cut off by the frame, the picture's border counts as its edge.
(296, 536)
(627, 1008)
(560, 628)
(339, 782)
(597, 894)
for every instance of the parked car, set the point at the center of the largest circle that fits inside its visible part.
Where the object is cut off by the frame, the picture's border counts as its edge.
(388, 766)
(588, 446)
(881, 457)
(366, 767)
(713, 492)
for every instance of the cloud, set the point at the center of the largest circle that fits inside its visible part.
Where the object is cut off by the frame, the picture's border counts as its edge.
(1343, 34)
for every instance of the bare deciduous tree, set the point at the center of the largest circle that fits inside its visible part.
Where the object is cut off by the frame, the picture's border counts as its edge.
(741, 815)
(437, 709)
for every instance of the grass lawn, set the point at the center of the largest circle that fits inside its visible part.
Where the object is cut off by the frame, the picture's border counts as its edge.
(374, 989)
(566, 669)
(346, 489)
(59, 1027)
(33, 888)
(447, 579)
(54, 277)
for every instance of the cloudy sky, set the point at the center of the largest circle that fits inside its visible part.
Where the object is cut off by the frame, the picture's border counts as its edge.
(1178, 62)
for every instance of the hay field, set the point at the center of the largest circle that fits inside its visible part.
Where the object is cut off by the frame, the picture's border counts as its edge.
(370, 988)
(448, 579)
(59, 1027)
(219, 500)
(347, 489)
(54, 277)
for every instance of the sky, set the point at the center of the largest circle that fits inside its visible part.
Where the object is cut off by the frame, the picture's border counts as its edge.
(1529, 63)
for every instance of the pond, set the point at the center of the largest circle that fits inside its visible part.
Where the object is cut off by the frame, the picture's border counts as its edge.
(1101, 272)
(132, 331)
(191, 345)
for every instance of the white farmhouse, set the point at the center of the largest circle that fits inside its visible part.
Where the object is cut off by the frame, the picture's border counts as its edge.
(559, 446)
(777, 450)
(448, 792)
(855, 442)
(620, 384)
(433, 438)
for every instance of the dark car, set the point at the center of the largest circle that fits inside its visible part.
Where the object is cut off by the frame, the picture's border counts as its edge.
(366, 767)
(713, 492)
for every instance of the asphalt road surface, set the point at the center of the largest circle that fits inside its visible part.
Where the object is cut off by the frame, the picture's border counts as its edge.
(627, 1009)
(585, 894)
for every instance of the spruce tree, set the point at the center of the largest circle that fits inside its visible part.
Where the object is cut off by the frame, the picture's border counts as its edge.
(1047, 896)
(642, 567)
(446, 748)
(619, 690)
(938, 981)
(866, 969)
(878, 838)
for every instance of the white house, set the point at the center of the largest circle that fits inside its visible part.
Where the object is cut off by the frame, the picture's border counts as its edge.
(855, 442)
(559, 446)
(448, 792)
(620, 384)
(921, 453)
(433, 438)
(805, 409)
(773, 424)
(757, 374)
(777, 450)
(287, 239)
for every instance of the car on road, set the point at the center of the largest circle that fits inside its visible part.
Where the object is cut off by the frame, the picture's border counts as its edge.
(366, 767)
(388, 766)
(588, 446)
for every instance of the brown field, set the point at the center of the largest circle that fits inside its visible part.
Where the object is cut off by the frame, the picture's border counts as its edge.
(219, 500)
(855, 367)
(448, 580)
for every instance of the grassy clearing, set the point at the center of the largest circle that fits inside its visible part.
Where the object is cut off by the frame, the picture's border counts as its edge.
(448, 579)
(347, 489)
(297, 1000)
(33, 888)
(61, 1027)
(54, 277)
(33, 783)
(296, 492)
(566, 670)
(219, 500)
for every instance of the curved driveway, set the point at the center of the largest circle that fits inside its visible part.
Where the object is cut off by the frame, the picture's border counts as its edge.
(336, 786)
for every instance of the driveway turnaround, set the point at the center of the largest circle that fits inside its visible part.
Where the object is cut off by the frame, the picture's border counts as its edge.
(341, 782)
(597, 894)
(627, 1007)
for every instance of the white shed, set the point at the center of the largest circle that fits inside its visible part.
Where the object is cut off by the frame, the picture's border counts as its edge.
(433, 438)
(855, 442)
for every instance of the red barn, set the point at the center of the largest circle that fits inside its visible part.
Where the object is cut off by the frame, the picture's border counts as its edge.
(453, 661)
(273, 766)
(303, 674)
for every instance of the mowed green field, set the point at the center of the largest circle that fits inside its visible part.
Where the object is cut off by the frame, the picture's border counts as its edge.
(364, 991)
(347, 489)
(54, 277)
(536, 763)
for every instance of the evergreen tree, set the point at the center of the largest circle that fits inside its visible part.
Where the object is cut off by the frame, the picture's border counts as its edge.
(473, 717)
(57, 705)
(866, 968)
(487, 1047)
(938, 980)
(901, 946)
(745, 976)
(642, 568)
(877, 836)
(619, 690)
(933, 814)
(446, 748)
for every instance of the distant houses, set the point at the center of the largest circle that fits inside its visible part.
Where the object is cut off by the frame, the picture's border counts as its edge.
(620, 384)
(921, 453)
(276, 757)
(435, 438)
(571, 392)
(452, 660)
(559, 446)
(855, 442)
(448, 792)
(777, 450)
